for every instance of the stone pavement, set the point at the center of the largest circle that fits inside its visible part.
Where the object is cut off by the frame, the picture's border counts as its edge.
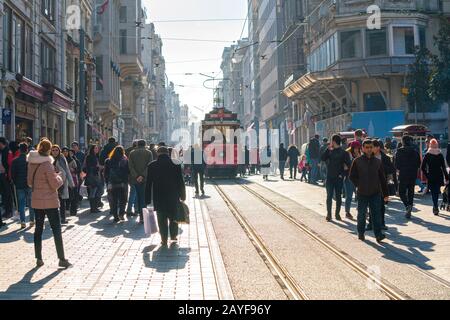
(115, 261)
(424, 241)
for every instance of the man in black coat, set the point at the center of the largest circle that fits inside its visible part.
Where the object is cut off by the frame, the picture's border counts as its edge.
(165, 187)
(336, 159)
(407, 162)
(198, 166)
(314, 156)
(282, 158)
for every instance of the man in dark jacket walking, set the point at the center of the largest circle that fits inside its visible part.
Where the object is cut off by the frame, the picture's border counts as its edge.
(368, 177)
(198, 169)
(19, 174)
(337, 161)
(282, 158)
(165, 187)
(314, 156)
(407, 162)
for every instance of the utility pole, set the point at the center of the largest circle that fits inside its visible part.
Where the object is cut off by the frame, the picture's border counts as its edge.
(82, 119)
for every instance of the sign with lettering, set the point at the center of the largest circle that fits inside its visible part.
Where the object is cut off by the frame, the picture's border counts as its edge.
(6, 116)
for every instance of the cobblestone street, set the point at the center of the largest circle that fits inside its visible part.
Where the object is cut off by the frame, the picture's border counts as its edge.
(114, 261)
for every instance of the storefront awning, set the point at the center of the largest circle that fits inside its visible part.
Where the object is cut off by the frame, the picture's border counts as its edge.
(62, 101)
(31, 88)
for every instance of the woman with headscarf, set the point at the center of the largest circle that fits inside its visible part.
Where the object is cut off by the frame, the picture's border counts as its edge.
(433, 166)
(61, 165)
(72, 202)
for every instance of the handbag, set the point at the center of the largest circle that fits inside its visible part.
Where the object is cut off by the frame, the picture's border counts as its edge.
(84, 190)
(182, 215)
(150, 226)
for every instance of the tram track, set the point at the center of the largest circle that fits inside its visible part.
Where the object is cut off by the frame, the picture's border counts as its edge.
(287, 282)
(285, 279)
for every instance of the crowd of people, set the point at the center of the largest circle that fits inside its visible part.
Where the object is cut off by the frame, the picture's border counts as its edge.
(50, 181)
(372, 169)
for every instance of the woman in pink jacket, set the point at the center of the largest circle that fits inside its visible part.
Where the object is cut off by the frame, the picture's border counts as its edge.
(44, 182)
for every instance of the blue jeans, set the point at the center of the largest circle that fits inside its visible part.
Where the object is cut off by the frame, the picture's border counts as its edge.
(334, 186)
(140, 197)
(314, 170)
(349, 192)
(132, 199)
(24, 199)
(374, 203)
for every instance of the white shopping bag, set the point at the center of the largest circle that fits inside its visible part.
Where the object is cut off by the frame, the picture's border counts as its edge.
(150, 225)
(84, 191)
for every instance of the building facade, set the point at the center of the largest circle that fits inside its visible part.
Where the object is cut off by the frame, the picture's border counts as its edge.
(33, 95)
(355, 69)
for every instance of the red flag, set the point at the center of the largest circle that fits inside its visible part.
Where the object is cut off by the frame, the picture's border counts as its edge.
(101, 9)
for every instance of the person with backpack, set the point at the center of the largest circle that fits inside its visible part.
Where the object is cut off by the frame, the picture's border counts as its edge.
(19, 174)
(138, 162)
(116, 178)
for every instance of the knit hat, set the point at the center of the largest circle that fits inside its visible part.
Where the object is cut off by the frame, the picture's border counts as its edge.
(434, 144)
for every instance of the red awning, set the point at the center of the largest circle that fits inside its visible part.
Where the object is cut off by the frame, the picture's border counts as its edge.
(32, 89)
(62, 100)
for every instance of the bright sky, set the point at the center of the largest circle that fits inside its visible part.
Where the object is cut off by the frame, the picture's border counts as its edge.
(176, 53)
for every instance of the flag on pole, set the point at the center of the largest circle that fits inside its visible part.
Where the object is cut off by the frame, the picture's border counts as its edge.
(102, 8)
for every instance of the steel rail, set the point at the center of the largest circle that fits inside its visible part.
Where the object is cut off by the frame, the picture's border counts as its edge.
(291, 288)
(392, 292)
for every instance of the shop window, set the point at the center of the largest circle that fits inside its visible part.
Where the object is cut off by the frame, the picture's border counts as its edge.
(374, 101)
(376, 42)
(403, 40)
(351, 44)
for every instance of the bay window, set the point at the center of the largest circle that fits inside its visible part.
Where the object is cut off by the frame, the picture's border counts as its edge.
(376, 42)
(403, 40)
(351, 44)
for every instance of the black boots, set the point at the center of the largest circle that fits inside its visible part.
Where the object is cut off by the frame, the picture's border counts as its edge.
(93, 205)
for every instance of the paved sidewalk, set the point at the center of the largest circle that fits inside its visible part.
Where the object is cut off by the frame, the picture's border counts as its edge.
(424, 240)
(115, 261)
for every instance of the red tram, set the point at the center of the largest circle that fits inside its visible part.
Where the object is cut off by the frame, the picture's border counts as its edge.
(221, 156)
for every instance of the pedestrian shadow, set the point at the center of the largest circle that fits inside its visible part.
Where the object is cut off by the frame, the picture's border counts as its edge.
(408, 251)
(26, 235)
(106, 227)
(25, 289)
(166, 259)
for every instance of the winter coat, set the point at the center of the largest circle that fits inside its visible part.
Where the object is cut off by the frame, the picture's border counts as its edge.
(337, 160)
(92, 170)
(11, 158)
(4, 157)
(116, 172)
(43, 181)
(62, 166)
(314, 149)
(388, 166)
(293, 155)
(433, 167)
(165, 185)
(138, 164)
(283, 154)
(74, 169)
(368, 176)
(407, 161)
(19, 172)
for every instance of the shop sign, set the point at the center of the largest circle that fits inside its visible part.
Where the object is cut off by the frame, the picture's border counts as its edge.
(6, 116)
(71, 116)
(61, 100)
(32, 89)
